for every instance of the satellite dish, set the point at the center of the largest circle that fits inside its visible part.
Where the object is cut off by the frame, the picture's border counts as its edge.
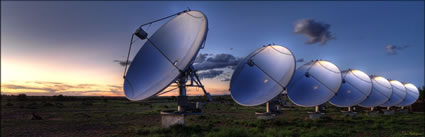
(262, 75)
(314, 83)
(355, 88)
(411, 96)
(381, 92)
(399, 93)
(168, 52)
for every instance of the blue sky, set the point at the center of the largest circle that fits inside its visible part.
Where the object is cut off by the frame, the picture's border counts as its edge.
(76, 42)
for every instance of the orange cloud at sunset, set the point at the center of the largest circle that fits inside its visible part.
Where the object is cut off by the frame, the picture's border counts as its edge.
(56, 88)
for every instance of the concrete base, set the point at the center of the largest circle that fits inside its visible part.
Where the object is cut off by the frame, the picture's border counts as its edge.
(349, 113)
(373, 113)
(265, 115)
(315, 115)
(404, 111)
(389, 112)
(168, 120)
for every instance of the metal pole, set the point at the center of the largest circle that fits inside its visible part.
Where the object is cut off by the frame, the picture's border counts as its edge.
(128, 55)
(198, 81)
(268, 107)
(162, 18)
(317, 109)
(182, 91)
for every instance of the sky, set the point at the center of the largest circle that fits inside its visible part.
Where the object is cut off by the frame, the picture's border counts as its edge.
(75, 47)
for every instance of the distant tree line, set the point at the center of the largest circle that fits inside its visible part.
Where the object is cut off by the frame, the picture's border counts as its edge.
(24, 97)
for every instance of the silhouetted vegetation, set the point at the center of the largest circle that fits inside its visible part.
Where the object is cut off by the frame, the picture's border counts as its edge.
(22, 97)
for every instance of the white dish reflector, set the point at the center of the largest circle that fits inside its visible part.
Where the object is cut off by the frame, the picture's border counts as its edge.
(399, 93)
(178, 41)
(381, 92)
(262, 75)
(314, 83)
(355, 88)
(411, 96)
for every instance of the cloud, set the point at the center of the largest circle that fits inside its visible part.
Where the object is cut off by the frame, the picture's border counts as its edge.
(214, 65)
(85, 85)
(55, 88)
(392, 49)
(226, 76)
(225, 79)
(13, 86)
(300, 60)
(314, 31)
(45, 82)
(115, 86)
(216, 61)
(53, 85)
(210, 73)
(201, 58)
(123, 63)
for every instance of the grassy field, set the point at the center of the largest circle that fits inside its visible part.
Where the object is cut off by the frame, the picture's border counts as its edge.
(116, 116)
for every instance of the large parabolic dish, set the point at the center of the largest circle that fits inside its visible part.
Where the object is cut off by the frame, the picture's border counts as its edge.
(171, 49)
(381, 92)
(355, 88)
(314, 83)
(411, 96)
(262, 75)
(399, 93)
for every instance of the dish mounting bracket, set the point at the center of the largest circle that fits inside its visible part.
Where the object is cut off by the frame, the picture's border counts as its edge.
(184, 106)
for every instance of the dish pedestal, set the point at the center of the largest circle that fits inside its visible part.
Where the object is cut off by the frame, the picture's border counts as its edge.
(315, 115)
(404, 111)
(265, 115)
(272, 108)
(170, 118)
(349, 113)
(373, 113)
(388, 112)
